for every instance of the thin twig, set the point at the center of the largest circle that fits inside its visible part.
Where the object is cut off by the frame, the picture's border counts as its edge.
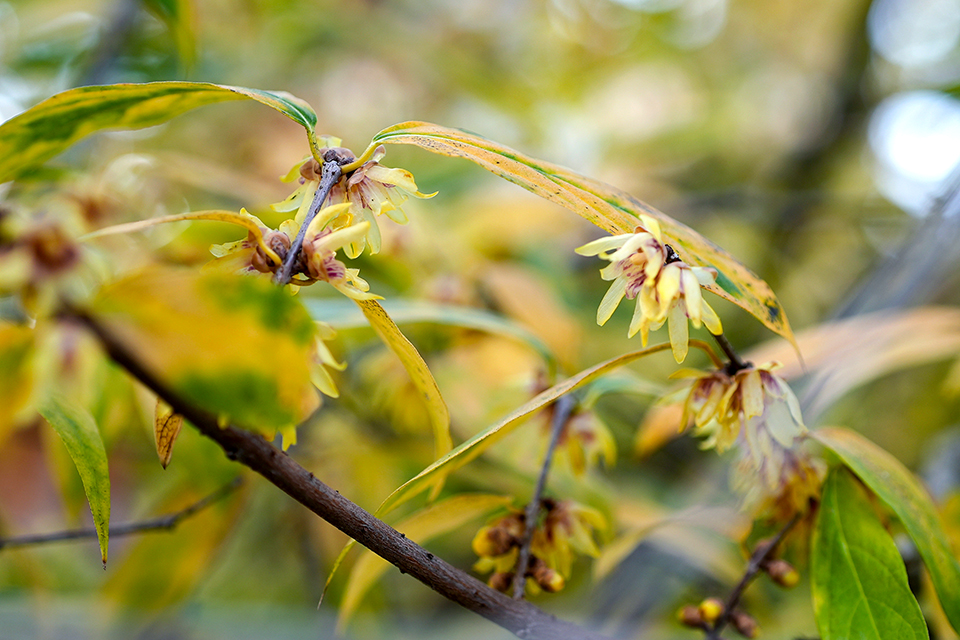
(736, 362)
(162, 523)
(523, 619)
(561, 416)
(760, 556)
(329, 175)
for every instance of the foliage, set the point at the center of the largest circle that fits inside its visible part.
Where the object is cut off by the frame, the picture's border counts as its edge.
(482, 318)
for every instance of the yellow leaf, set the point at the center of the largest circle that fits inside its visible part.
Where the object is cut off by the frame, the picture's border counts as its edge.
(166, 428)
(420, 374)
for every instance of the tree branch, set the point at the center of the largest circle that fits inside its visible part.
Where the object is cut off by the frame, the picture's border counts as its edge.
(518, 616)
(760, 556)
(163, 523)
(559, 419)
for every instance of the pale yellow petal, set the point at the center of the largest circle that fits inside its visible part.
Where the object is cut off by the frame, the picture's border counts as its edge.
(751, 390)
(603, 245)
(710, 319)
(691, 296)
(679, 332)
(611, 300)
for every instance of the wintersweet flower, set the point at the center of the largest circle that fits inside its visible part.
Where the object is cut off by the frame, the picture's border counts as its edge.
(371, 189)
(724, 406)
(666, 289)
(264, 250)
(566, 531)
(756, 409)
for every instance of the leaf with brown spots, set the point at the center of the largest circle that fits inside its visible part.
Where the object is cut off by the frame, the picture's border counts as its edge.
(604, 205)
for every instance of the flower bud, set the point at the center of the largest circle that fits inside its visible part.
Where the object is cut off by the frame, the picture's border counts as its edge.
(710, 609)
(689, 616)
(501, 581)
(782, 572)
(744, 624)
(548, 579)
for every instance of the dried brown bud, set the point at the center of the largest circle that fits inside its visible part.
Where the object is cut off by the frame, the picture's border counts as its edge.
(744, 624)
(340, 155)
(549, 579)
(710, 610)
(310, 170)
(690, 616)
(782, 572)
(501, 581)
(280, 243)
(53, 251)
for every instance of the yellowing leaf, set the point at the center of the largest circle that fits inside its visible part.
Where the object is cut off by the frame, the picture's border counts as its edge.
(238, 347)
(605, 206)
(442, 517)
(166, 428)
(80, 435)
(859, 581)
(437, 472)
(16, 375)
(46, 129)
(420, 374)
(903, 494)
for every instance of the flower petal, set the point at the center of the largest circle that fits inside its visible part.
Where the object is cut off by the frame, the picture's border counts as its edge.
(679, 331)
(603, 245)
(611, 300)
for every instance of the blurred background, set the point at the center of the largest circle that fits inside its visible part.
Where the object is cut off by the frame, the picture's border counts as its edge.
(817, 141)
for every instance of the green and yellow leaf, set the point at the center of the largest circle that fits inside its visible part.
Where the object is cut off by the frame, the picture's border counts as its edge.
(50, 127)
(859, 582)
(80, 436)
(437, 472)
(605, 206)
(238, 347)
(900, 490)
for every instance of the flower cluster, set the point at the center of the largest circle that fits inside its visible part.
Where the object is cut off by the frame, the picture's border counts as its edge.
(566, 530)
(370, 189)
(264, 250)
(643, 268)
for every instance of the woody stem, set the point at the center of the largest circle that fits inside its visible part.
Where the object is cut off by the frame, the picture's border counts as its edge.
(329, 175)
(736, 362)
(561, 415)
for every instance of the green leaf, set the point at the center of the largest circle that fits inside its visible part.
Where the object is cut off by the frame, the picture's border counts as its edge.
(605, 206)
(80, 435)
(437, 472)
(442, 517)
(420, 374)
(902, 493)
(46, 129)
(859, 581)
(342, 314)
(238, 347)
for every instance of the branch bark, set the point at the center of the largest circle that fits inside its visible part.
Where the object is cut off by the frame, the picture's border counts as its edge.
(517, 616)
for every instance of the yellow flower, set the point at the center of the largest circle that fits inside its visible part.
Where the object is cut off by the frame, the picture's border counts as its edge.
(757, 409)
(665, 288)
(264, 250)
(371, 189)
(724, 405)
(566, 530)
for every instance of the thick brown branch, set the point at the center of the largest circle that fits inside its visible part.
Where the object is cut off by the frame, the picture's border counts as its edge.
(518, 616)
(163, 523)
